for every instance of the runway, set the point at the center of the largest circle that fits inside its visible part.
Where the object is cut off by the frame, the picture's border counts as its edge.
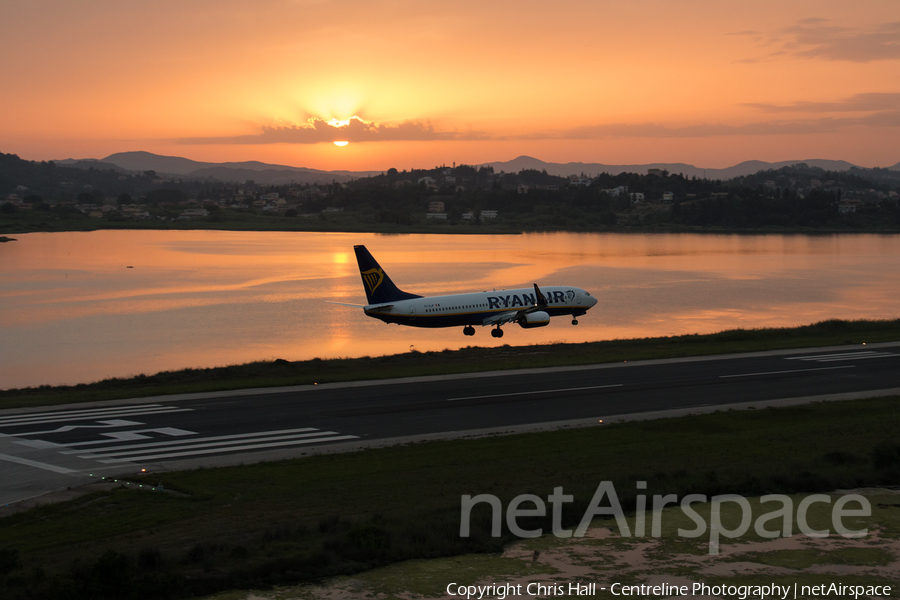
(42, 450)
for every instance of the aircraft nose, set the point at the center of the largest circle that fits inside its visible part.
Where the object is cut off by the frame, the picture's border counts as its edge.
(593, 301)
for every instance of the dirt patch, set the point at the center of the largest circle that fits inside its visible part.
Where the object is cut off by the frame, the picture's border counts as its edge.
(603, 557)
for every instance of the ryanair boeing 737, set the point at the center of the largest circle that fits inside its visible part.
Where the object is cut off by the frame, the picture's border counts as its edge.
(527, 307)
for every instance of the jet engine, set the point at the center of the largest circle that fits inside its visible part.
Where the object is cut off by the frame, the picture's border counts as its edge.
(534, 319)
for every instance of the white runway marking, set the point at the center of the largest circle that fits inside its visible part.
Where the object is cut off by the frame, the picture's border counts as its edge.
(862, 355)
(39, 465)
(115, 451)
(578, 389)
(203, 439)
(120, 446)
(134, 435)
(106, 425)
(88, 415)
(788, 371)
(234, 449)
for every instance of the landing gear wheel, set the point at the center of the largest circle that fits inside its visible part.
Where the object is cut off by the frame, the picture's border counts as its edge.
(468, 330)
(497, 333)
(574, 321)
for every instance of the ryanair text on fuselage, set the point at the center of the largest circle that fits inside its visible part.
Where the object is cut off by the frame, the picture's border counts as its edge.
(527, 307)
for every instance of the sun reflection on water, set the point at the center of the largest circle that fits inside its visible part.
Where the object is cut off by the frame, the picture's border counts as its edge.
(83, 306)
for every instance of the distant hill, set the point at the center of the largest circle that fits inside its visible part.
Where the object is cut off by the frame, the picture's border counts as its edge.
(237, 172)
(89, 163)
(147, 161)
(268, 174)
(576, 168)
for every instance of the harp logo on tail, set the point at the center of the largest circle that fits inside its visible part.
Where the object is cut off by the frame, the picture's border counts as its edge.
(373, 278)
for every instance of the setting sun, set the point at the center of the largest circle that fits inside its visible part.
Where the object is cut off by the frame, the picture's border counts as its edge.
(708, 87)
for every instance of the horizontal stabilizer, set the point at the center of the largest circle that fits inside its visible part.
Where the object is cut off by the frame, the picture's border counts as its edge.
(379, 307)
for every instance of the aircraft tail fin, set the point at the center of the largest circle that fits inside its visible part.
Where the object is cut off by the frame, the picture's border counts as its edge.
(379, 287)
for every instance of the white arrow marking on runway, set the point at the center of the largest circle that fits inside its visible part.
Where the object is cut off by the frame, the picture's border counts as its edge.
(137, 434)
(65, 428)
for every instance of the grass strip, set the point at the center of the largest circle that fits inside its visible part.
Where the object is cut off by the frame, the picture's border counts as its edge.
(466, 360)
(305, 519)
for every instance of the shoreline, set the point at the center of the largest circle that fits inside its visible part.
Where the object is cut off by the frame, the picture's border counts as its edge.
(300, 226)
(472, 359)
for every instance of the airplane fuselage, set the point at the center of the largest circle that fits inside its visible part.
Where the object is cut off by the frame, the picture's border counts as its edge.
(478, 308)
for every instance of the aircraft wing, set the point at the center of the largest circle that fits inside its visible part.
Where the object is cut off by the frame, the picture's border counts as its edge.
(501, 318)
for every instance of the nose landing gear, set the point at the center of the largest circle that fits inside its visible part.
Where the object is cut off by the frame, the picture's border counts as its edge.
(574, 321)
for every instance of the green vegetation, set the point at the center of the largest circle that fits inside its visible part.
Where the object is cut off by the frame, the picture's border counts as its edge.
(310, 518)
(605, 560)
(471, 359)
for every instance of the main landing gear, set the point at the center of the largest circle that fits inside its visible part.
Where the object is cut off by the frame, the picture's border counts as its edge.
(496, 332)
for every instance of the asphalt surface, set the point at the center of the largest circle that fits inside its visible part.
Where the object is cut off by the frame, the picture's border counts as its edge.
(42, 450)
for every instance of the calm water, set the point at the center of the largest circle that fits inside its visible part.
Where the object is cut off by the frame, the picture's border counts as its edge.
(71, 309)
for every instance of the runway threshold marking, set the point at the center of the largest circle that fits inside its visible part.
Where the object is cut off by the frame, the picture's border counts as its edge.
(116, 452)
(87, 415)
(220, 450)
(238, 438)
(788, 371)
(578, 389)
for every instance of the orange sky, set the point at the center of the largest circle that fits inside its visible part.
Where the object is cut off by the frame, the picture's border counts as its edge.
(709, 83)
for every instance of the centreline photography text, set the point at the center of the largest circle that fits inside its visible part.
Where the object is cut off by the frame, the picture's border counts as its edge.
(501, 591)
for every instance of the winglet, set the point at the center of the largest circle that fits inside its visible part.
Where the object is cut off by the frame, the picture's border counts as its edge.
(541, 299)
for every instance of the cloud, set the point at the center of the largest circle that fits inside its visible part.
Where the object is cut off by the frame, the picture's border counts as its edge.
(858, 103)
(883, 110)
(816, 39)
(820, 39)
(885, 118)
(701, 130)
(318, 131)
